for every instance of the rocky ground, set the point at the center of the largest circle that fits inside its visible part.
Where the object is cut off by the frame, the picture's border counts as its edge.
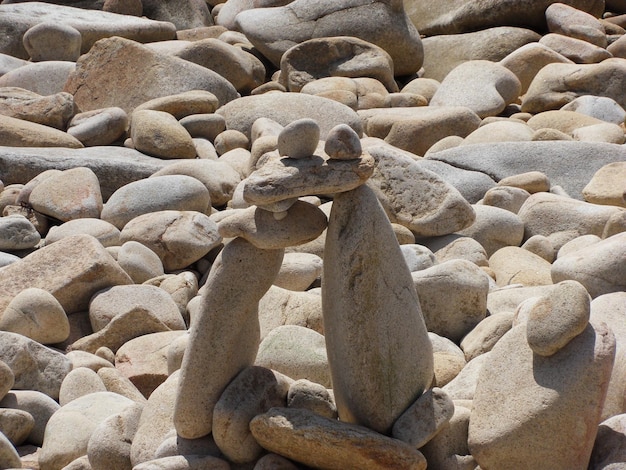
(282, 235)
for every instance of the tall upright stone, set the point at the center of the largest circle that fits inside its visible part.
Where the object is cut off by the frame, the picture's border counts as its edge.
(380, 357)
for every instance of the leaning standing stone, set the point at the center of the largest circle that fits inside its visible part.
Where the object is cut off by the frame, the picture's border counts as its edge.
(226, 335)
(379, 353)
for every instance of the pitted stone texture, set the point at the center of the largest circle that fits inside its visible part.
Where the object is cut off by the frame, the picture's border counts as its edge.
(274, 31)
(371, 391)
(306, 437)
(415, 197)
(99, 83)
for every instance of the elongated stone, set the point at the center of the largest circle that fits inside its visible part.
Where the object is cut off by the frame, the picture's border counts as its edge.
(379, 353)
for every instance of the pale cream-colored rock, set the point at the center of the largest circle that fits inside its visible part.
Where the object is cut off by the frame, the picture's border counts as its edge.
(369, 364)
(139, 261)
(462, 248)
(599, 107)
(16, 425)
(506, 197)
(9, 458)
(424, 418)
(417, 129)
(531, 181)
(344, 56)
(602, 132)
(186, 462)
(425, 87)
(607, 185)
(486, 334)
(99, 126)
(40, 406)
(280, 306)
(73, 269)
(557, 84)
(218, 177)
(79, 382)
(298, 271)
(541, 246)
(89, 360)
(182, 287)
(17, 233)
(110, 442)
(299, 138)
(415, 197)
(569, 21)
(316, 441)
(417, 257)
(7, 379)
(499, 131)
(45, 78)
(226, 334)
(453, 297)
(204, 125)
(50, 110)
(183, 104)
(577, 50)
(515, 265)
(313, 397)
(38, 315)
(116, 382)
(527, 409)
(297, 352)
(52, 41)
(302, 223)
(159, 134)
(565, 121)
(526, 61)
(449, 359)
(99, 81)
(600, 268)
(553, 321)
(483, 86)
(106, 233)
(20, 133)
(343, 143)
(252, 392)
(230, 139)
(463, 386)
(179, 238)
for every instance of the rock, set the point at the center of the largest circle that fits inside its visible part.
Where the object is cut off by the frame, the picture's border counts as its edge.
(19, 133)
(218, 177)
(416, 197)
(343, 143)
(601, 132)
(449, 360)
(316, 441)
(384, 24)
(116, 382)
(17, 233)
(9, 458)
(52, 41)
(36, 314)
(238, 264)
(106, 233)
(230, 139)
(52, 110)
(506, 197)
(227, 13)
(143, 360)
(285, 178)
(139, 261)
(179, 238)
(159, 134)
(91, 361)
(68, 430)
(302, 223)
(297, 352)
(284, 307)
(110, 442)
(417, 257)
(526, 61)
(204, 125)
(299, 139)
(99, 83)
(570, 21)
(343, 56)
(550, 89)
(99, 127)
(577, 50)
(34, 366)
(181, 287)
(541, 246)
(526, 409)
(531, 181)
(93, 25)
(181, 105)
(43, 78)
(79, 382)
(514, 265)
(444, 52)
(564, 121)
(132, 8)
(480, 85)
(252, 392)
(424, 418)
(417, 129)
(16, 425)
(185, 462)
(184, 14)
(72, 269)
(71, 194)
(500, 131)
(560, 161)
(166, 192)
(452, 296)
(461, 248)
(486, 334)
(313, 397)
(288, 107)
(8, 379)
(8, 63)
(609, 448)
(298, 271)
(606, 186)
(599, 268)
(384, 304)
(40, 406)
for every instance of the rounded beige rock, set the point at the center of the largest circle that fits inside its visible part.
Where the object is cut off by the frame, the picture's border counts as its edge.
(159, 134)
(106, 233)
(99, 127)
(52, 41)
(17, 233)
(139, 261)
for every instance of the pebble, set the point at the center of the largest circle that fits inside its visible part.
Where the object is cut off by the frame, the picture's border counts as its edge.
(17, 233)
(464, 189)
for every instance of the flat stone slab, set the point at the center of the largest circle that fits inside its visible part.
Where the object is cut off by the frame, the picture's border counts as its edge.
(570, 165)
(17, 18)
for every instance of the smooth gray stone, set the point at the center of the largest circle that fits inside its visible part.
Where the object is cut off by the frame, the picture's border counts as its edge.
(570, 165)
(114, 166)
